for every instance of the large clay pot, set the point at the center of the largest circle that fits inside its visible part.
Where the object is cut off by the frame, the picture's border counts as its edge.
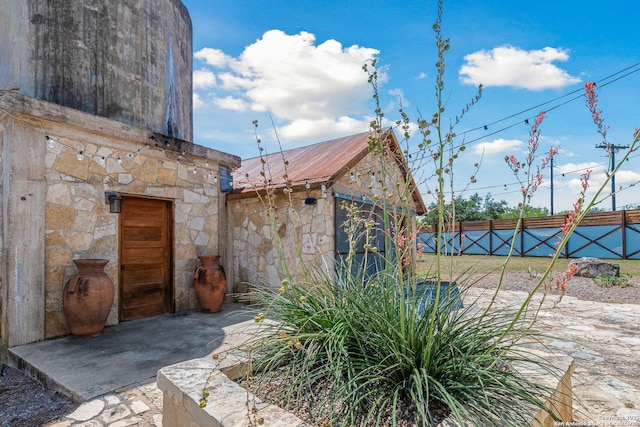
(210, 284)
(87, 298)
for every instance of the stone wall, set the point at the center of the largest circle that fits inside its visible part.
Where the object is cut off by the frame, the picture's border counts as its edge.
(305, 234)
(67, 214)
(368, 180)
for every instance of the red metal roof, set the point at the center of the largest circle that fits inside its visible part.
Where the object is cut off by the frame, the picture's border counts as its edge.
(315, 164)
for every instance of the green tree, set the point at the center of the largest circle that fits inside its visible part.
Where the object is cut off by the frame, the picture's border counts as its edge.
(473, 208)
(529, 212)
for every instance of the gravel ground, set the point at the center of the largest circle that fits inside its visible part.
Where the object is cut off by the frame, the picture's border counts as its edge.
(26, 403)
(583, 288)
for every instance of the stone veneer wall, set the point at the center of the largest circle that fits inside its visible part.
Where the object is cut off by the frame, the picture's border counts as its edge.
(78, 223)
(74, 218)
(364, 180)
(305, 232)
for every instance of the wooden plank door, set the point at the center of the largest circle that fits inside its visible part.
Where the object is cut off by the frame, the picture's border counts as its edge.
(145, 258)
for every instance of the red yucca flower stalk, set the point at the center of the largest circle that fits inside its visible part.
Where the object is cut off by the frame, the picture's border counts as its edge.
(592, 105)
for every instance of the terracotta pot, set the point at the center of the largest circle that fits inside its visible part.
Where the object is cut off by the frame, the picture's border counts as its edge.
(87, 298)
(210, 284)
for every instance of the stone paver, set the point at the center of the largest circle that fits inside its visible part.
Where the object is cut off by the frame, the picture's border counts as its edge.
(604, 340)
(139, 406)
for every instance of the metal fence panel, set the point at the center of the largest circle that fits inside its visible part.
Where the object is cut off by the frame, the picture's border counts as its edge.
(612, 235)
(540, 241)
(501, 242)
(476, 242)
(632, 240)
(599, 241)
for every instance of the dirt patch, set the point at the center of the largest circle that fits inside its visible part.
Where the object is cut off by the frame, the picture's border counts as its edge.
(25, 402)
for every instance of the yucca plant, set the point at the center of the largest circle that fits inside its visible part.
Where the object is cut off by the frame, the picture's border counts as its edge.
(350, 355)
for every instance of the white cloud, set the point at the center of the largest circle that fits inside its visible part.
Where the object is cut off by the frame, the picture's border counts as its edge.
(579, 168)
(231, 103)
(515, 67)
(624, 178)
(497, 147)
(233, 82)
(625, 187)
(297, 81)
(569, 181)
(627, 177)
(324, 128)
(197, 102)
(213, 57)
(203, 79)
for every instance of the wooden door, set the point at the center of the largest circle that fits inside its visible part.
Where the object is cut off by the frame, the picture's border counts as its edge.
(145, 258)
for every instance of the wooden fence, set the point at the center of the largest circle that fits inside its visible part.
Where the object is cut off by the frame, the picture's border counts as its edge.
(613, 235)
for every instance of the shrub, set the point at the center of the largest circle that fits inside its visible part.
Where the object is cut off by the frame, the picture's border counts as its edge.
(608, 280)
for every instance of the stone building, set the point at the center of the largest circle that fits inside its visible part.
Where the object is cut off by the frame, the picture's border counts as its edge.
(95, 109)
(96, 161)
(308, 187)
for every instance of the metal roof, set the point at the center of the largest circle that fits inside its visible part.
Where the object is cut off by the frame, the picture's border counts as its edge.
(314, 164)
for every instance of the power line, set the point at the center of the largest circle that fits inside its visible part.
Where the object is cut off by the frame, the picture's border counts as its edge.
(605, 81)
(599, 83)
(625, 72)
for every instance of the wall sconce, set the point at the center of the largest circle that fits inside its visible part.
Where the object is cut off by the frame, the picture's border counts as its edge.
(309, 200)
(114, 200)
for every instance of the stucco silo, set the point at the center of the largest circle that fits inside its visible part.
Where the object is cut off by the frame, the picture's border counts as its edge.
(128, 60)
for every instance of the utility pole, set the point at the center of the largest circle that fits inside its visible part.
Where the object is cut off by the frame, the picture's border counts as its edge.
(611, 150)
(551, 174)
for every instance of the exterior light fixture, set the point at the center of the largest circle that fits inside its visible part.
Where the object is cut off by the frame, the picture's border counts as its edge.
(115, 201)
(309, 200)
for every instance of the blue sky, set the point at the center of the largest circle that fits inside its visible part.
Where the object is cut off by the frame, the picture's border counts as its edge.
(298, 64)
